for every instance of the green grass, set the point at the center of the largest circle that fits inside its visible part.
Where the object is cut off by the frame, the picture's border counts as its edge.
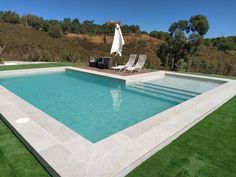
(206, 150)
(15, 159)
(31, 66)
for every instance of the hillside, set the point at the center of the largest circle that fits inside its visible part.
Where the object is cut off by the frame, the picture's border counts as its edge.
(24, 43)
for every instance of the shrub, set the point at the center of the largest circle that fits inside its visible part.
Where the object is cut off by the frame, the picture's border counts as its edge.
(33, 21)
(70, 56)
(35, 55)
(1, 60)
(160, 35)
(10, 17)
(45, 26)
(55, 31)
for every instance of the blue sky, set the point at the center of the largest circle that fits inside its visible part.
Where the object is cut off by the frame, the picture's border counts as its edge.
(149, 14)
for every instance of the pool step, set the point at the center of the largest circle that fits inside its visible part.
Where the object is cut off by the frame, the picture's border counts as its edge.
(164, 91)
(154, 95)
(171, 89)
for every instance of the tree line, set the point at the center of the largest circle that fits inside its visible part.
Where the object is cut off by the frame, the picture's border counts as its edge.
(222, 43)
(57, 28)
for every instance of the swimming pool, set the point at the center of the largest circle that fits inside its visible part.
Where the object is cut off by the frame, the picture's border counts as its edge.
(97, 107)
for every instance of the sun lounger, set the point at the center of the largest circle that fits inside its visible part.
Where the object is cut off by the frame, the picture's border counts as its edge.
(130, 63)
(139, 65)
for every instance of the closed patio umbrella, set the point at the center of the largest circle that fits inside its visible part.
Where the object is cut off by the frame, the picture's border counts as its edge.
(118, 41)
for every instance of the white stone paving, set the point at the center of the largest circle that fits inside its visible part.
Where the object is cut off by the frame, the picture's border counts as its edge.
(64, 152)
(6, 63)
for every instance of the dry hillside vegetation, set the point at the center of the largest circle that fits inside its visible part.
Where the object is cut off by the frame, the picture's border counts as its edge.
(24, 43)
(212, 61)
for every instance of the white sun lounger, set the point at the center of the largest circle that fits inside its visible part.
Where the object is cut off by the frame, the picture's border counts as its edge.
(139, 65)
(130, 63)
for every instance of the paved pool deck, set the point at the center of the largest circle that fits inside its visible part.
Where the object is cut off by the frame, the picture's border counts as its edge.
(64, 152)
(7, 63)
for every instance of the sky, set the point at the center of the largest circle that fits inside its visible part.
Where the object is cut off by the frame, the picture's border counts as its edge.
(148, 14)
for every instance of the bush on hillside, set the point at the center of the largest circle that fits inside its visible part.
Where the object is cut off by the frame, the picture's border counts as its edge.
(9, 17)
(225, 44)
(203, 65)
(160, 35)
(70, 56)
(33, 21)
(55, 31)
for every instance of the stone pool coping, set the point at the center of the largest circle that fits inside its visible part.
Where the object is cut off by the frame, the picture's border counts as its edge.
(64, 152)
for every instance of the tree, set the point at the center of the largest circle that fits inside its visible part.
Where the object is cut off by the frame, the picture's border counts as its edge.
(33, 21)
(1, 50)
(134, 28)
(88, 26)
(75, 26)
(227, 47)
(55, 31)
(181, 25)
(160, 35)
(108, 29)
(199, 24)
(144, 32)
(185, 39)
(222, 43)
(54, 22)
(164, 54)
(45, 26)
(10, 17)
(126, 29)
(66, 25)
(1, 14)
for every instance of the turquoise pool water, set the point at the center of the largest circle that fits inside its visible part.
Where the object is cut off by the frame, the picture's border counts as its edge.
(96, 107)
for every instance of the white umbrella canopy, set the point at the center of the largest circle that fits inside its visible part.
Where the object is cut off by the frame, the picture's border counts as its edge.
(118, 41)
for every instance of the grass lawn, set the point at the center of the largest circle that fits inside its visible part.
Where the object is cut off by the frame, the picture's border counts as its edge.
(15, 159)
(206, 150)
(31, 66)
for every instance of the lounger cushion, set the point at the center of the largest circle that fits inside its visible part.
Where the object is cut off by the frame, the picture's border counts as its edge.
(118, 67)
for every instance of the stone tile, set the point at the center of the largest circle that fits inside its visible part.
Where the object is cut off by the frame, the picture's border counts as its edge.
(81, 147)
(10, 112)
(115, 162)
(109, 145)
(146, 125)
(60, 131)
(5, 93)
(35, 135)
(51, 125)
(30, 71)
(3, 100)
(40, 117)
(64, 161)
(153, 138)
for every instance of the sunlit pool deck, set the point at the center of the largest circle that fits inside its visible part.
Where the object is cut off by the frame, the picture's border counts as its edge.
(64, 152)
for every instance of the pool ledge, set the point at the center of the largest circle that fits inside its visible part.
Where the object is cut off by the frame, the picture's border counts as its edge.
(65, 153)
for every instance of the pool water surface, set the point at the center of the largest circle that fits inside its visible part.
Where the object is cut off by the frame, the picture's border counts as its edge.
(97, 107)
